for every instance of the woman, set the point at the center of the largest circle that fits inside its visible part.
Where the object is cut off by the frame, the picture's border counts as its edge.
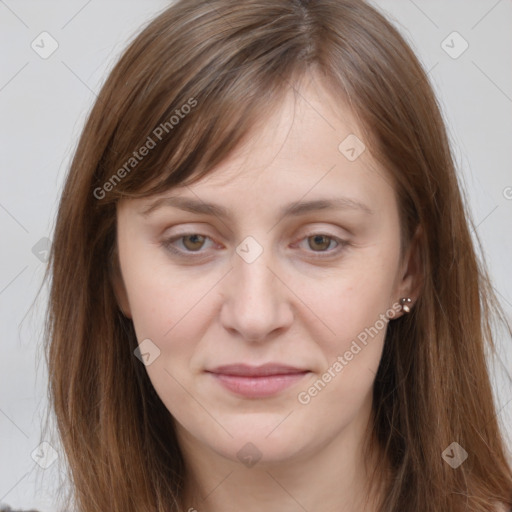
(264, 290)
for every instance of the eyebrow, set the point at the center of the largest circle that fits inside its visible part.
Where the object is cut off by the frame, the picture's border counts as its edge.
(293, 209)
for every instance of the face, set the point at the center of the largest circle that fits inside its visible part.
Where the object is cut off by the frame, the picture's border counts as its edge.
(260, 280)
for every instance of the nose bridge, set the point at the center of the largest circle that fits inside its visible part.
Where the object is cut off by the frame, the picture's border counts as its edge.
(255, 278)
(254, 303)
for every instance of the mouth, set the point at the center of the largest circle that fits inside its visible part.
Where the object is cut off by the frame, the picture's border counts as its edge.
(257, 381)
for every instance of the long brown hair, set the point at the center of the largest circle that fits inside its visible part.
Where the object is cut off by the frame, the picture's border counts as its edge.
(189, 89)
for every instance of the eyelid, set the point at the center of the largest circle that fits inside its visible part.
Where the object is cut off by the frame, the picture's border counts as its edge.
(324, 254)
(167, 243)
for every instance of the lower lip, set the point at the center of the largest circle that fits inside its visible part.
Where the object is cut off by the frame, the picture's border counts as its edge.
(258, 387)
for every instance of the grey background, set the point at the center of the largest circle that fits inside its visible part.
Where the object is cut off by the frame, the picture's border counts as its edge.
(43, 105)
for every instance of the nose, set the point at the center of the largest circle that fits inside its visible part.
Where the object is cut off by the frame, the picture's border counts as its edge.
(256, 303)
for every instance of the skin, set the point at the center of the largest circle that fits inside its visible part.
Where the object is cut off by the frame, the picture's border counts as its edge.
(286, 306)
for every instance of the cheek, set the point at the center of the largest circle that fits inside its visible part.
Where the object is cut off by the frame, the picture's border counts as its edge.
(161, 298)
(351, 357)
(353, 298)
(171, 309)
(354, 304)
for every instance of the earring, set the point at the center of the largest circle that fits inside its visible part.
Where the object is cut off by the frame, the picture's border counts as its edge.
(406, 302)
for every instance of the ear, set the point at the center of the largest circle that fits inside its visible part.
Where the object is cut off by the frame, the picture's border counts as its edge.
(411, 272)
(116, 280)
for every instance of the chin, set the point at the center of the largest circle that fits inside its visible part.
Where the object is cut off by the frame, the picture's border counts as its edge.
(258, 444)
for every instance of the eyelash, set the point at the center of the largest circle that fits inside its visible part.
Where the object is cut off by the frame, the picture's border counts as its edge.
(196, 254)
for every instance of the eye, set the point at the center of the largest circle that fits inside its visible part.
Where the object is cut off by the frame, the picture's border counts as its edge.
(320, 243)
(190, 243)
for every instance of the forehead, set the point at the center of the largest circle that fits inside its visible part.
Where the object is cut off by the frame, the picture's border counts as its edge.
(310, 148)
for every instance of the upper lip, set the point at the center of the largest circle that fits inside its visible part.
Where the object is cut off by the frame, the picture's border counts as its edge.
(245, 370)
